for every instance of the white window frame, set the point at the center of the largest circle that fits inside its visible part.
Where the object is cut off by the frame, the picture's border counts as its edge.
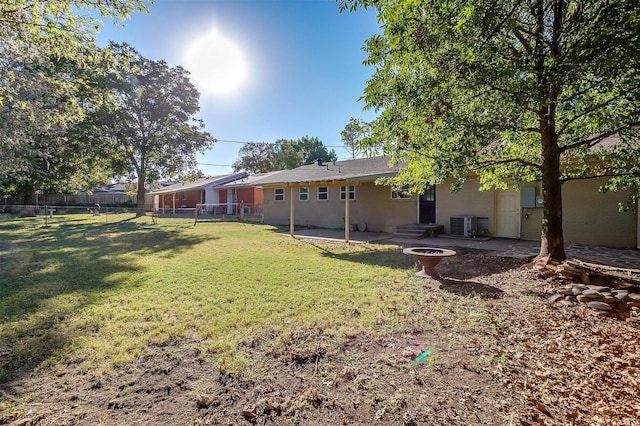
(278, 192)
(401, 193)
(325, 193)
(303, 193)
(352, 190)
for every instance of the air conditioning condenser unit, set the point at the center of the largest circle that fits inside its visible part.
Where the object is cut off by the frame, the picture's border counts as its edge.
(464, 225)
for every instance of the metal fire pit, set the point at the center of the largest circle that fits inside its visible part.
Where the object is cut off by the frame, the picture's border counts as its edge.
(429, 257)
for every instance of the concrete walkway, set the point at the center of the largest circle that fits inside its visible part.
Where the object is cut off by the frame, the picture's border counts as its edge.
(500, 247)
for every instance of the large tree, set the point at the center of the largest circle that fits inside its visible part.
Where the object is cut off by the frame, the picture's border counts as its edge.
(352, 134)
(313, 149)
(510, 91)
(254, 157)
(47, 55)
(150, 129)
(41, 144)
(283, 154)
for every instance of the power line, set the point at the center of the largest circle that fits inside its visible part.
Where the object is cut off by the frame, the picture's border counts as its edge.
(215, 165)
(270, 143)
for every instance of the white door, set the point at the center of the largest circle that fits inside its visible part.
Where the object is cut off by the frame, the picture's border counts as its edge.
(508, 214)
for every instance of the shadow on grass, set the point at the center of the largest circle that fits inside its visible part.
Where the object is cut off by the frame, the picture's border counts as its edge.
(55, 272)
(390, 256)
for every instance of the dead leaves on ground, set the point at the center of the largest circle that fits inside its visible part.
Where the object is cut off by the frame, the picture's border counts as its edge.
(574, 366)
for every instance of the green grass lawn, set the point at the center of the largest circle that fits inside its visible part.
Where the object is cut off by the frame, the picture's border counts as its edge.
(129, 322)
(100, 295)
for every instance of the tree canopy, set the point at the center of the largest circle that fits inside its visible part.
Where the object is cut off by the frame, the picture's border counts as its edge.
(352, 134)
(254, 157)
(283, 154)
(47, 61)
(40, 147)
(509, 92)
(150, 130)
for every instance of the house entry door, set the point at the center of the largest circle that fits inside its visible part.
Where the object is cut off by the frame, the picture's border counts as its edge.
(428, 205)
(508, 214)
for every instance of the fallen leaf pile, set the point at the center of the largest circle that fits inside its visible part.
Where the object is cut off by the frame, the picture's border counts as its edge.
(566, 362)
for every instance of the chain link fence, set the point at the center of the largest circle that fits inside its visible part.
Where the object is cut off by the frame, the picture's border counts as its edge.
(55, 214)
(229, 211)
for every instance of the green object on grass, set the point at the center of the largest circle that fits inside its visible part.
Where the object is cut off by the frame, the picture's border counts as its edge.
(423, 355)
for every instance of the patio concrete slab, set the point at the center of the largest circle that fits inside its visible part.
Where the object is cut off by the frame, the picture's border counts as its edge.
(500, 247)
(337, 235)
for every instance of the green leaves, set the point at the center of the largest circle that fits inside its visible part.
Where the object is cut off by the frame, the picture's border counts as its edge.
(149, 131)
(466, 85)
(47, 63)
(261, 157)
(507, 91)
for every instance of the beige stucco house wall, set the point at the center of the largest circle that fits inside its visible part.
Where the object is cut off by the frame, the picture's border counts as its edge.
(589, 217)
(372, 206)
(468, 201)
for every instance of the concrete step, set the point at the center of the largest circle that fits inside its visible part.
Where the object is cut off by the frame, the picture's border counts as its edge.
(418, 230)
(408, 236)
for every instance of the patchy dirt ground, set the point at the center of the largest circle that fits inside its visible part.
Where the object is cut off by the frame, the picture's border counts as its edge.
(483, 346)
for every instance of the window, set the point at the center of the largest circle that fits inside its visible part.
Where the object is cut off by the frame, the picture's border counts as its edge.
(401, 193)
(184, 195)
(352, 192)
(279, 194)
(323, 193)
(430, 193)
(303, 193)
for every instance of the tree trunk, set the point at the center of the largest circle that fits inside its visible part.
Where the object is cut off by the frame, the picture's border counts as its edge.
(140, 211)
(552, 238)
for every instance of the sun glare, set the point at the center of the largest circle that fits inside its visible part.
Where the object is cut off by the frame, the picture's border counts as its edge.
(215, 63)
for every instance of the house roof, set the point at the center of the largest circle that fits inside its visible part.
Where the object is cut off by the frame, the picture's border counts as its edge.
(200, 183)
(248, 181)
(362, 169)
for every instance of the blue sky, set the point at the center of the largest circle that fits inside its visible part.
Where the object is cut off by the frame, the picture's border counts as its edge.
(303, 62)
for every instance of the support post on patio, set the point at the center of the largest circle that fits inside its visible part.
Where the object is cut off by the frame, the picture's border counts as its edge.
(346, 214)
(291, 213)
(174, 203)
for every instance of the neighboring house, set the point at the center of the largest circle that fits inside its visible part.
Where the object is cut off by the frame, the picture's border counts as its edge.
(200, 191)
(315, 195)
(222, 194)
(244, 192)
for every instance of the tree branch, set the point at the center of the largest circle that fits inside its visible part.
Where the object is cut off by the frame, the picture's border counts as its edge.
(606, 175)
(520, 161)
(592, 141)
(586, 112)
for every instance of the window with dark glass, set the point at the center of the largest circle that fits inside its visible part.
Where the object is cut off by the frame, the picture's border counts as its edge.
(352, 192)
(323, 193)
